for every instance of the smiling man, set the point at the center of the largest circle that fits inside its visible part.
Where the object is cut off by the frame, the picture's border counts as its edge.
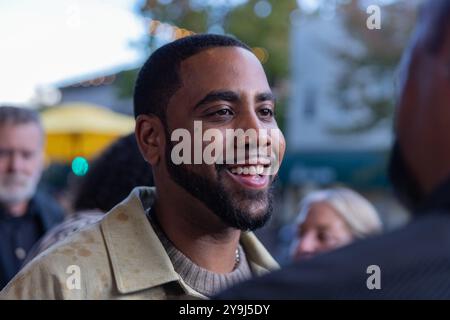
(190, 235)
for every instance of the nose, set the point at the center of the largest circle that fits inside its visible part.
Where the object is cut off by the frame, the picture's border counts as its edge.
(258, 136)
(249, 118)
(307, 246)
(15, 162)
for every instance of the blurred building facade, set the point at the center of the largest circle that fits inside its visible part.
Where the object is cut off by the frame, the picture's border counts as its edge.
(98, 90)
(321, 151)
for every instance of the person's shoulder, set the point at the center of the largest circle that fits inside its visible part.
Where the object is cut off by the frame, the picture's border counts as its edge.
(48, 208)
(71, 225)
(80, 261)
(405, 259)
(43, 197)
(80, 247)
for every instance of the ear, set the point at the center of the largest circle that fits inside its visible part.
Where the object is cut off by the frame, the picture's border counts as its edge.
(444, 54)
(150, 138)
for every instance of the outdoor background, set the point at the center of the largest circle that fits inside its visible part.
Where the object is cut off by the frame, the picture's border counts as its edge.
(76, 62)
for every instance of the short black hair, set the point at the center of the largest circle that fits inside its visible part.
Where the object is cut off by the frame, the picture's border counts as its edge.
(437, 15)
(159, 77)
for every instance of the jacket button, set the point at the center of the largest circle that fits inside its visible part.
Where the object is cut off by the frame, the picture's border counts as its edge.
(20, 253)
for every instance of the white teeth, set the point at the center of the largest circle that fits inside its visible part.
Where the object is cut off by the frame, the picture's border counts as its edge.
(237, 170)
(248, 170)
(259, 169)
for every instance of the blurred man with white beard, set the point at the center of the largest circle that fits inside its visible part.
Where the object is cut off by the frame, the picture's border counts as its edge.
(25, 215)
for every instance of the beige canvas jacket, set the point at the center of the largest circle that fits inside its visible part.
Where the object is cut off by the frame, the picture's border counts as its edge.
(120, 257)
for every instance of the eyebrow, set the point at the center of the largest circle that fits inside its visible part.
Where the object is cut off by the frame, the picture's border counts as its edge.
(232, 96)
(265, 96)
(218, 96)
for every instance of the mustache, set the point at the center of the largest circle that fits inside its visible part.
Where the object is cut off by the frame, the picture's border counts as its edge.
(220, 167)
(14, 178)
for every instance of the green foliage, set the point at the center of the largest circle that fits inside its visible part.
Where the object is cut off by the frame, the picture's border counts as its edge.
(125, 83)
(270, 33)
(179, 13)
(367, 80)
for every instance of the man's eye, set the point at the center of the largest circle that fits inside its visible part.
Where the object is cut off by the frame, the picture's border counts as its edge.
(4, 153)
(323, 237)
(222, 112)
(27, 154)
(266, 112)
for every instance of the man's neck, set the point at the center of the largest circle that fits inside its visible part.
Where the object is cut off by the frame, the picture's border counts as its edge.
(16, 210)
(197, 232)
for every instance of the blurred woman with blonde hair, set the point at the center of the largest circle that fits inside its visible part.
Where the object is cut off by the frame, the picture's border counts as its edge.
(331, 218)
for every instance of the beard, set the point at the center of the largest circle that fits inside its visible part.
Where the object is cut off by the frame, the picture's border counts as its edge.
(17, 187)
(229, 206)
(405, 184)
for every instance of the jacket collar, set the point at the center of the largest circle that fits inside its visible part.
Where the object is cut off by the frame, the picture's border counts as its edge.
(126, 229)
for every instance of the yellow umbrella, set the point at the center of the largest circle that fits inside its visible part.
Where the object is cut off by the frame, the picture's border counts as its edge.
(81, 129)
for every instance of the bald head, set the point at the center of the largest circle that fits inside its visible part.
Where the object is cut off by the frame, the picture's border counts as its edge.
(423, 108)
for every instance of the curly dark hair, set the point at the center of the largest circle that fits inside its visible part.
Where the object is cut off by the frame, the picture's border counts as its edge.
(112, 176)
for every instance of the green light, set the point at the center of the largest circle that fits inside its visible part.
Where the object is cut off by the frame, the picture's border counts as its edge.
(80, 166)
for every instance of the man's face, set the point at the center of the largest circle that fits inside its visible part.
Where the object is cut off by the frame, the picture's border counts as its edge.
(226, 88)
(21, 160)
